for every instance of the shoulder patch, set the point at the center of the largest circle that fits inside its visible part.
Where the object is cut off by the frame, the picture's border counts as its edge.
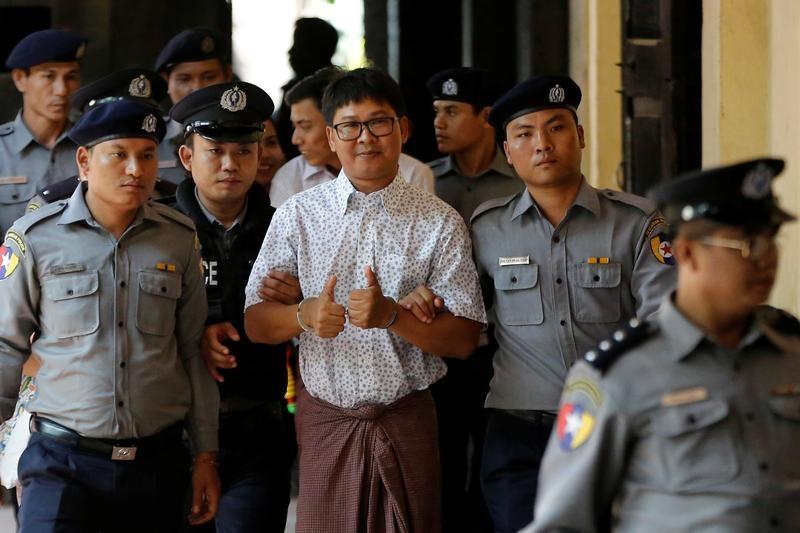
(6, 129)
(173, 215)
(639, 202)
(623, 340)
(60, 190)
(488, 205)
(440, 166)
(779, 320)
(24, 224)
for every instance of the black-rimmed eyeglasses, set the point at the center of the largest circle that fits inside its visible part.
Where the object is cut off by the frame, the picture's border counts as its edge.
(351, 130)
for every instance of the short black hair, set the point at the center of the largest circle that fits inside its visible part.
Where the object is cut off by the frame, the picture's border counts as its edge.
(312, 86)
(358, 85)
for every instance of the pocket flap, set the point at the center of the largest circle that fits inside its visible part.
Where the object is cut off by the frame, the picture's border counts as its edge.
(509, 278)
(597, 276)
(674, 421)
(67, 286)
(786, 407)
(161, 284)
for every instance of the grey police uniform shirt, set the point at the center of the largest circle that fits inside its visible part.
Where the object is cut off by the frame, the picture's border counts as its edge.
(679, 434)
(465, 194)
(555, 292)
(169, 166)
(26, 166)
(117, 324)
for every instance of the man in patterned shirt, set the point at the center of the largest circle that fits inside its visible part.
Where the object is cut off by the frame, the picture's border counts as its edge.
(366, 420)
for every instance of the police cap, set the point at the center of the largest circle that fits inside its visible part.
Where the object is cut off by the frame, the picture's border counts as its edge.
(132, 84)
(230, 112)
(736, 195)
(122, 119)
(535, 94)
(195, 44)
(475, 86)
(46, 46)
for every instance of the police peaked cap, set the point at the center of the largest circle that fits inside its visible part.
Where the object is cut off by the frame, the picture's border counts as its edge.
(132, 84)
(195, 44)
(122, 119)
(736, 195)
(232, 111)
(535, 94)
(46, 46)
(475, 86)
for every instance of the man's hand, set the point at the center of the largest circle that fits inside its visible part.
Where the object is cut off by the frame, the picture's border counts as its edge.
(205, 488)
(323, 314)
(423, 304)
(280, 287)
(216, 354)
(369, 308)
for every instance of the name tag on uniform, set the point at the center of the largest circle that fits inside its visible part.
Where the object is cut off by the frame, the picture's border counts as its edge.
(168, 163)
(13, 180)
(519, 260)
(681, 397)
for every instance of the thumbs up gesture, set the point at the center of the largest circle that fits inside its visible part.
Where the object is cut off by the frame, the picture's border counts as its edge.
(323, 314)
(369, 308)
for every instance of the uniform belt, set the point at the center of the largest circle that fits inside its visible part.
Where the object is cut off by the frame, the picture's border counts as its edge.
(537, 417)
(116, 450)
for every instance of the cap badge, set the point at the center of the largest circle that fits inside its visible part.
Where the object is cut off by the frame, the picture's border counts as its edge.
(450, 87)
(207, 45)
(756, 184)
(149, 123)
(557, 94)
(233, 99)
(140, 87)
(80, 51)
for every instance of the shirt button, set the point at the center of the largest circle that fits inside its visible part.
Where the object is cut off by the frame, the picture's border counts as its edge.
(119, 323)
(70, 292)
(558, 280)
(691, 419)
(750, 416)
(122, 364)
(163, 289)
(763, 466)
(120, 403)
(596, 278)
(774, 522)
(556, 239)
(513, 279)
(121, 283)
(563, 322)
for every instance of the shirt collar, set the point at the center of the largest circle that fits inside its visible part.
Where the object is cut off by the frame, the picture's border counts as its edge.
(214, 220)
(390, 195)
(587, 198)
(77, 210)
(23, 137)
(309, 170)
(498, 165)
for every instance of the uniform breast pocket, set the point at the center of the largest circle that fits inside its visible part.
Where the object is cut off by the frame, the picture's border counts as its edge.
(71, 304)
(158, 296)
(696, 445)
(596, 292)
(16, 191)
(785, 432)
(518, 295)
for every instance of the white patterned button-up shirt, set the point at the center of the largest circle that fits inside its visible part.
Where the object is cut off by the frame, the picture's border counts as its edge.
(410, 238)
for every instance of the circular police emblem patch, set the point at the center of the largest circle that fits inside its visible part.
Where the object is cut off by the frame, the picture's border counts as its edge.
(450, 87)
(140, 87)
(757, 183)
(149, 123)
(574, 426)
(8, 262)
(207, 45)
(557, 94)
(233, 99)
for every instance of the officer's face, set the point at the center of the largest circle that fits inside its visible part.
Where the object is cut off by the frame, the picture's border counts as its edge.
(457, 126)
(186, 78)
(46, 89)
(368, 157)
(309, 133)
(545, 147)
(222, 171)
(272, 156)
(121, 172)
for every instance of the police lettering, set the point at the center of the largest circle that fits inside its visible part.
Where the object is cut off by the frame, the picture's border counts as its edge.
(210, 272)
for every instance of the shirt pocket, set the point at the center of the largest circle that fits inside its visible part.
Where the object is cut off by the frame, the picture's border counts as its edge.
(696, 445)
(596, 292)
(786, 432)
(156, 302)
(71, 305)
(16, 194)
(518, 295)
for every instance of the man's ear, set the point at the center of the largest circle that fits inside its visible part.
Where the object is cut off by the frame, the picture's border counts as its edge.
(684, 251)
(82, 158)
(20, 78)
(508, 155)
(228, 71)
(484, 116)
(581, 136)
(405, 128)
(329, 133)
(185, 154)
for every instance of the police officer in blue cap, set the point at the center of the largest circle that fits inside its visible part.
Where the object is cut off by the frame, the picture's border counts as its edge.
(223, 125)
(192, 59)
(690, 421)
(34, 148)
(106, 288)
(562, 265)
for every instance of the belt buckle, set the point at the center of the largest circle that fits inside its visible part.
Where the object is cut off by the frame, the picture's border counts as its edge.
(123, 453)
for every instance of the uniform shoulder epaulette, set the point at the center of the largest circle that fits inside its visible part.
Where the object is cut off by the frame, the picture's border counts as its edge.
(488, 205)
(29, 220)
(439, 166)
(60, 190)
(6, 129)
(779, 320)
(641, 203)
(623, 340)
(172, 214)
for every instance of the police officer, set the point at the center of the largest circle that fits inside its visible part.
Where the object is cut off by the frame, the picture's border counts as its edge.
(473, 171)
(562, 265)
(109, 288)
(135, 84)
(223, 125)
(689, 421)
(192, 59)
(34, 149)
